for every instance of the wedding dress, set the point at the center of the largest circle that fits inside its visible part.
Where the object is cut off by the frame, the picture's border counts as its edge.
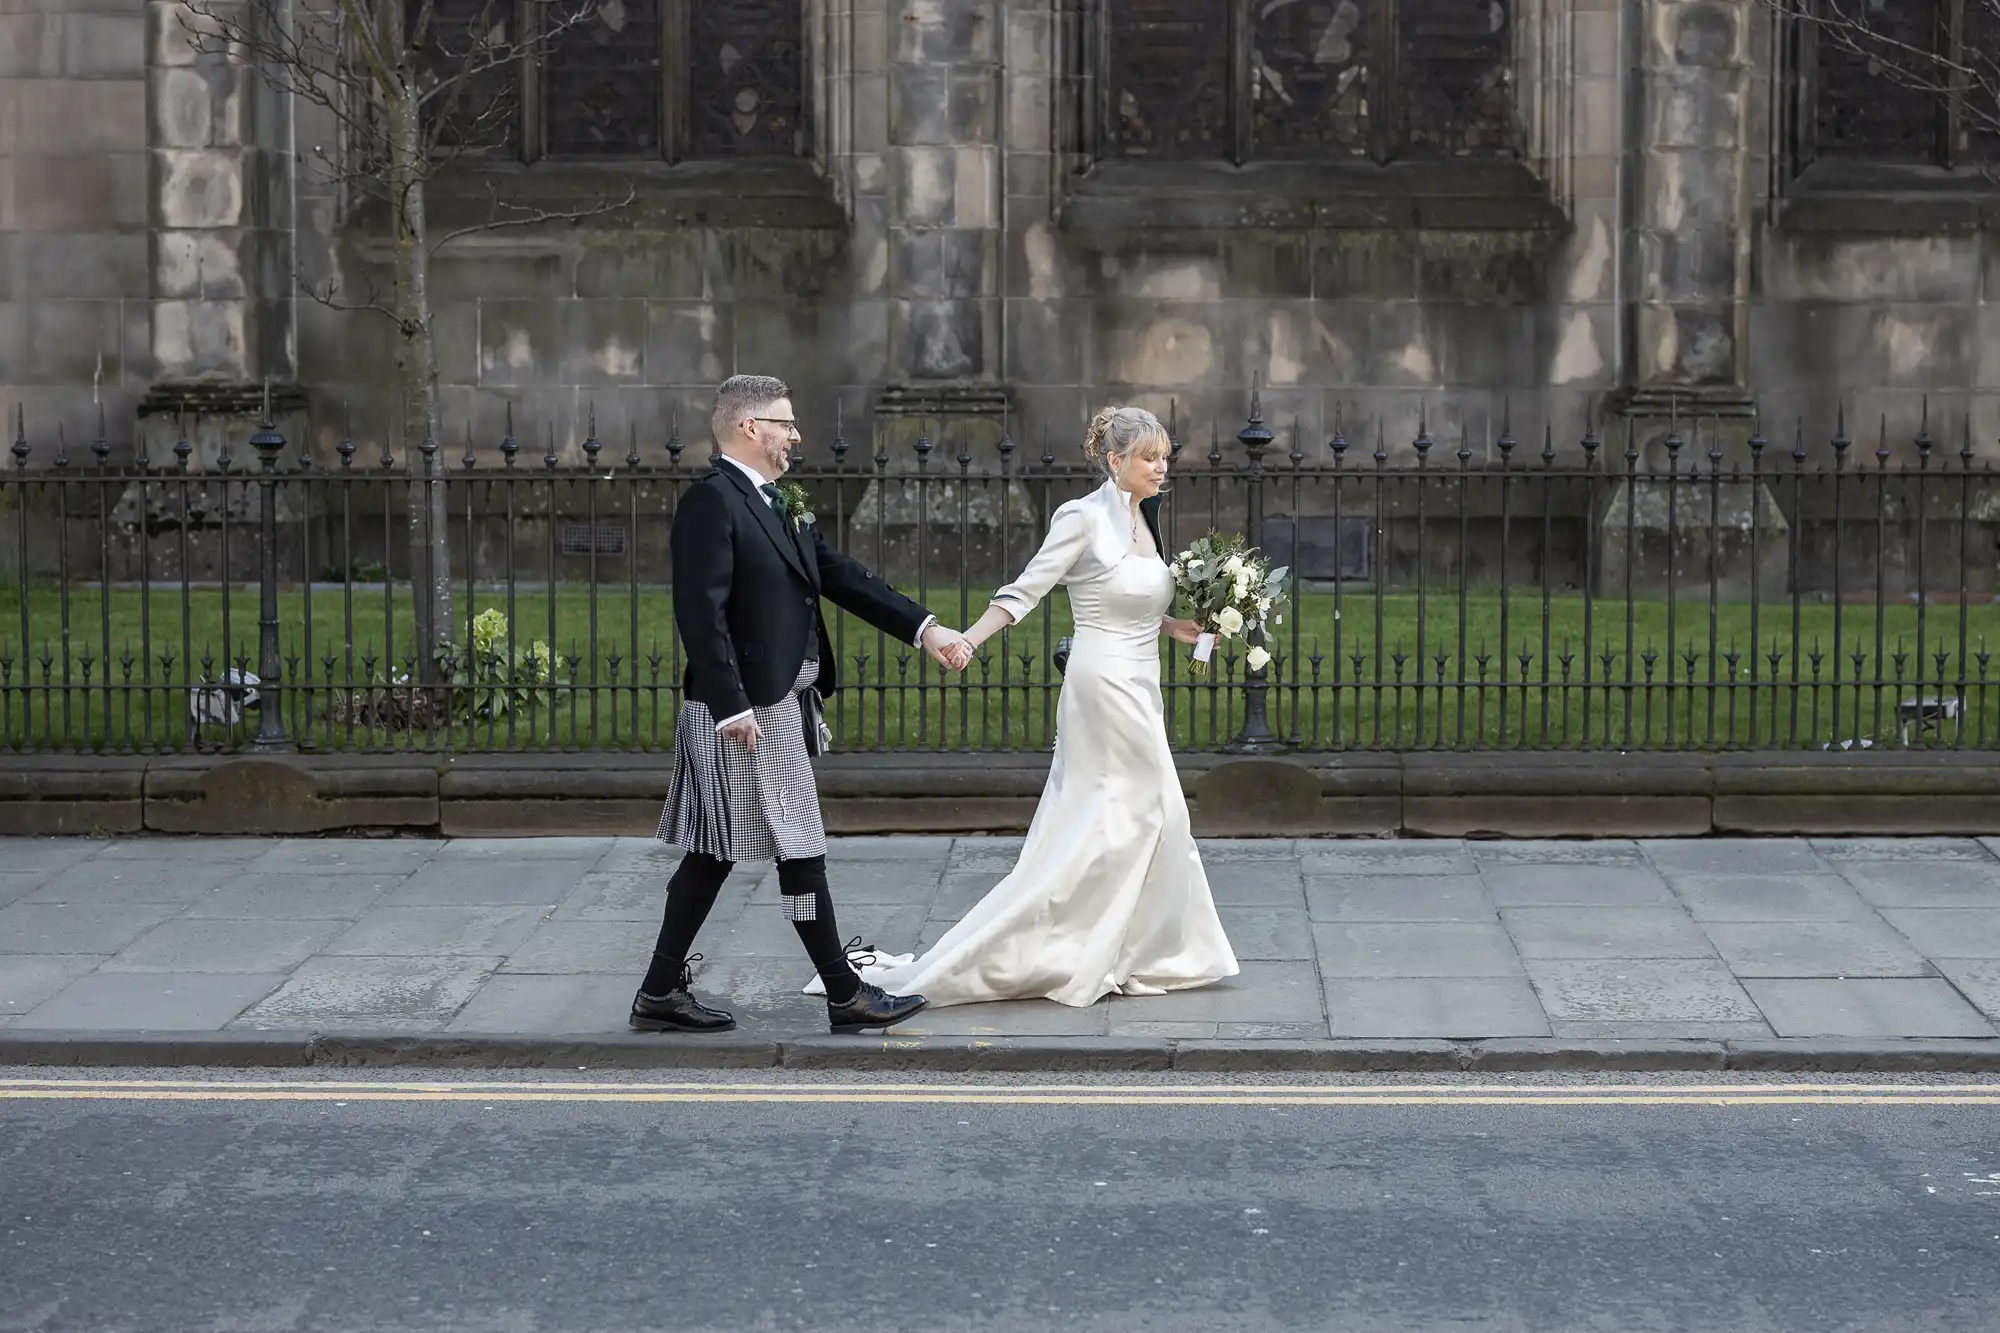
(1109, 895)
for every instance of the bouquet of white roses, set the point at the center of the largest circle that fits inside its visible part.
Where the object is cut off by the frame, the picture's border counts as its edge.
(1232, 592)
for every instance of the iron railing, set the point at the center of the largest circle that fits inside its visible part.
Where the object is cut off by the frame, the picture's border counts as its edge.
(1692, 592)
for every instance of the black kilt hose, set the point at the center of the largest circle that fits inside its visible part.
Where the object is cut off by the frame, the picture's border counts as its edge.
(747, 589)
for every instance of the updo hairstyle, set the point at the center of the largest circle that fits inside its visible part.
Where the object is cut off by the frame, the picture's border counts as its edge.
(1118, 432)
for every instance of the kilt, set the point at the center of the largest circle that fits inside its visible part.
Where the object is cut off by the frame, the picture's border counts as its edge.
(740, 805)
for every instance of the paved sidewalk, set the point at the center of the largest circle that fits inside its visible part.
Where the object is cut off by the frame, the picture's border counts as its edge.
(1838, 943)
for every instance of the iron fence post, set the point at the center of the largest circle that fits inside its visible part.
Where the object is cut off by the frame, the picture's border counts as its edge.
(269, 443)
(1255, 736)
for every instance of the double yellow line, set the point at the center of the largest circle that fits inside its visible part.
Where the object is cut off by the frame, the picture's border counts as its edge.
(497, 1093)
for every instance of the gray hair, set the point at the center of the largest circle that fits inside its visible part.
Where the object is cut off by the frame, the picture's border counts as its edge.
(743, 396)
(1116, 431)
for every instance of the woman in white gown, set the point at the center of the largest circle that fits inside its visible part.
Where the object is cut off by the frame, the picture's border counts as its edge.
(1109, 895)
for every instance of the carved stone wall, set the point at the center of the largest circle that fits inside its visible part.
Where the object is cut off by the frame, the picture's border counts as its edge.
(1396, 206)
(75, 286)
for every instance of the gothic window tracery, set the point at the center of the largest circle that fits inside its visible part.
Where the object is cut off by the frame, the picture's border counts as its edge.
(1896, 81)
(1321, 79)
(635, 79)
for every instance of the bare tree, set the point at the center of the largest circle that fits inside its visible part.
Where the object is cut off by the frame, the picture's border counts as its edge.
(410, 94)
(1962, 74)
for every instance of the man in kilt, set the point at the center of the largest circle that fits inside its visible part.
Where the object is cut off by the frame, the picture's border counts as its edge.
(749, 572)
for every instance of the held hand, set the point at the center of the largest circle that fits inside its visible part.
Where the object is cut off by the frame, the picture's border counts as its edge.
(1181, 631)
(947, 647)
(745, 733)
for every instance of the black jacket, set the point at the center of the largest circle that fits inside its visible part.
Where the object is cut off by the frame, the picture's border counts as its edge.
(747, 586)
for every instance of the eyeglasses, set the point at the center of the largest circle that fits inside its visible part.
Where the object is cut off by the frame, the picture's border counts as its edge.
(789, 423)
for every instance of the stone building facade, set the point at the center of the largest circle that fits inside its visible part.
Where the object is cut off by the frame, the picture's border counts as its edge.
(1009, 211)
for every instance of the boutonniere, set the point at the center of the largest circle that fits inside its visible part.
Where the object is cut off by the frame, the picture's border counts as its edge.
(797, 504)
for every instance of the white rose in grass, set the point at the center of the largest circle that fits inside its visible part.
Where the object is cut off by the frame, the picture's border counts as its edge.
(1229, 620)
(1259, 659)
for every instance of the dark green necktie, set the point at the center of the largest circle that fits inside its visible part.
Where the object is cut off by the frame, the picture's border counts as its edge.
(777, 497)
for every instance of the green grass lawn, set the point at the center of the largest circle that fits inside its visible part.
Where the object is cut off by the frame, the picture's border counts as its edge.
(84, 673)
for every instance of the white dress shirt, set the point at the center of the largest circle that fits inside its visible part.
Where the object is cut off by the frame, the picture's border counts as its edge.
(759, 481)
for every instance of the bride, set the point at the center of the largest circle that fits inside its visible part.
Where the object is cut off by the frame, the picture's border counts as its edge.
(1108, 896)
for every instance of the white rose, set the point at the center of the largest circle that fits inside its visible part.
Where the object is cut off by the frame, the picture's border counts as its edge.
(1229, 620)
(1263, 606)
(1259, 659)
(1233, 565)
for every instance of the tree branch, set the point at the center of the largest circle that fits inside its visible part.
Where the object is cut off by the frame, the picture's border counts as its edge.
(524, 215)
(330, 299)
(1970, 84)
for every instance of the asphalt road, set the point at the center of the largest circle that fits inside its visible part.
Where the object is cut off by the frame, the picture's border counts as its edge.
(603, 1206)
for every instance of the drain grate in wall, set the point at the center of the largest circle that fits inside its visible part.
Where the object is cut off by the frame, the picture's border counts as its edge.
(583, 539)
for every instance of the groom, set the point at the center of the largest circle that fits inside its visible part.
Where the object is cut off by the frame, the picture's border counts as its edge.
(750, 568)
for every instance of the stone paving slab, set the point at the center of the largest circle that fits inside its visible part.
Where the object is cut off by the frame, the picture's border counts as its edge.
(1413, 950)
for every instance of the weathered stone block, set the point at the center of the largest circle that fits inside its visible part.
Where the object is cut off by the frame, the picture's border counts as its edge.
(776, 339)
(1688, 346)
(976, 197)
(1748, 541)
(1030, 41)
(172, 30)
(259, 796)
(1581, 346)
(940, 339)
(1594, 40)
(1687, 266)
(689, 342)
(196, 339)
(943, 31)
(1047, 341)
(30, 46)
(201, 188)
(1399, 348)
(1364, 265)
(941, 264)
(603, 342)
(1487, 346)
(1248, 797)
(1707, 36)
(77, 264)
(923, 185)
(1265, 264)
(1918, 346)
(82, 116)
(1818, 267)
(865, 348)
(92, 191)
(67, 341)
(1284, 343)
(70, 796)
(920, 105)
(1535, 795)
(1027, 127)
(198, 264)
(1151, 342)
(1466, 267)
(675, 265)
(971, 117)
(520, 342)
(1177, 267)
(104, 46)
